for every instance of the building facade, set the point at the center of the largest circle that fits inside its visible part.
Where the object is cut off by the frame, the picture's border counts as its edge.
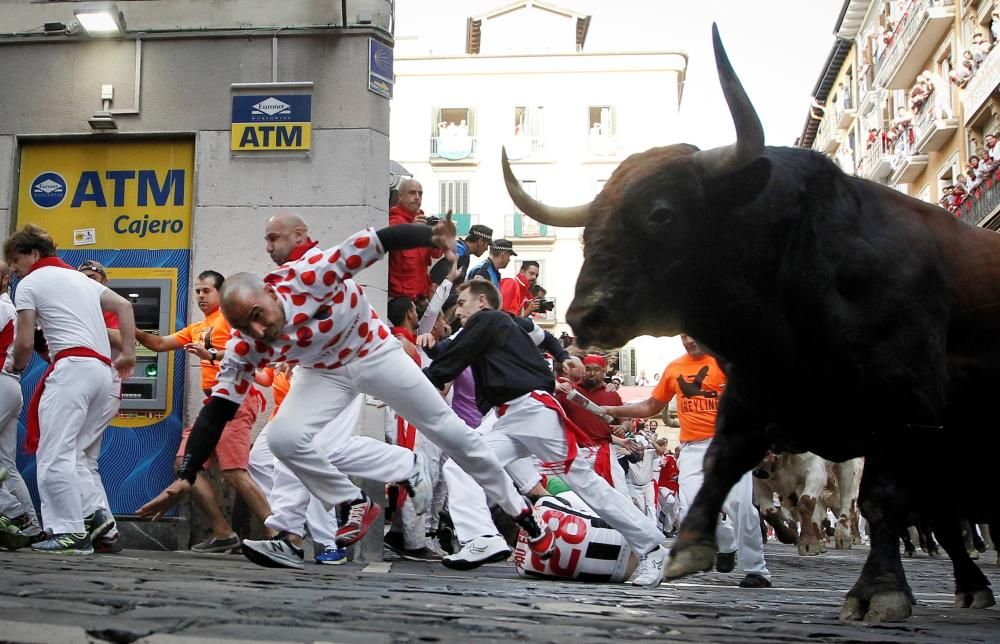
(468, 84)
(908, 97)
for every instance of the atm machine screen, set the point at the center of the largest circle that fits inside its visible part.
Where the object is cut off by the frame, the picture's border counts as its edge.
(150, 298)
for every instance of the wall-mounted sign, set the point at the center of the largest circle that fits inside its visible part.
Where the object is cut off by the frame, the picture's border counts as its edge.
(380, 75)
(271, 122)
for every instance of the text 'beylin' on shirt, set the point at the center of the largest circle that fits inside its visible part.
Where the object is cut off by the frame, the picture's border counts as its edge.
(328, 320)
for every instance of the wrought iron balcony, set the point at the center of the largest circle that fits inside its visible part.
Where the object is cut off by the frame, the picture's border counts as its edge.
(981, 86)
(827, 134)
(983, 203)
(931, 127)
(453, 147)
(906, 163)
(914, 39)
(876, 163)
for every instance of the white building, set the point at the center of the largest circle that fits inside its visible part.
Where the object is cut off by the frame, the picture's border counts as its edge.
(473, 76)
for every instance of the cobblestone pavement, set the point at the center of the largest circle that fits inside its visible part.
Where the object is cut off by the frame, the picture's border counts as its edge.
(168, 597)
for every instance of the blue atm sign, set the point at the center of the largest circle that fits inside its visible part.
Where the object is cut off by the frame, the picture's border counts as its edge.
(271, 122)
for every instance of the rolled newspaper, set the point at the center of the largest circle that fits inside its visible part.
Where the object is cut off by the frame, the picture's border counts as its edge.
(589, 405)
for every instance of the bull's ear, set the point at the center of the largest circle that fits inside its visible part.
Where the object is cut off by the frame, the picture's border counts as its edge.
(741, 187)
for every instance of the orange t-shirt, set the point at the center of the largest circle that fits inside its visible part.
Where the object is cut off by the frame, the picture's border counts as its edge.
(279, 389)
(213, 331)
(697, 383)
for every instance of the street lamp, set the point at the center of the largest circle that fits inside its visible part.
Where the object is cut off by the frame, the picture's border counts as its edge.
(101, 20)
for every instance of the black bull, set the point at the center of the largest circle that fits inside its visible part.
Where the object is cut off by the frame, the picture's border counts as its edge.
(856, 322)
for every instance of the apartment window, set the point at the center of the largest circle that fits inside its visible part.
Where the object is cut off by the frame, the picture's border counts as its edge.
(454, 196)
(527, 136)
(925, 194)
(601, 120)
(453, 132)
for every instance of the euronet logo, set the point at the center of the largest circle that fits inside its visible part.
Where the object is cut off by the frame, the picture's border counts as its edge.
(48, 190)
(271, 107)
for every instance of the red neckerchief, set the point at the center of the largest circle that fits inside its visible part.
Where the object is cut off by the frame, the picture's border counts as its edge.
(406, 333)
(301, 249)
(48, 261)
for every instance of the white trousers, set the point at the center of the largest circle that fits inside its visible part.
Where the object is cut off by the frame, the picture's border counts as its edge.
(292, 507)
(740, 530)
(667, 513)
(15, 499)
(529, 428)
(70, 414)
(467, 504)
(642, 496)
(93, 452)
(316, 401)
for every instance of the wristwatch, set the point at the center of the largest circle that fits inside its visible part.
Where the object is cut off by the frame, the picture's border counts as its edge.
(214, 353)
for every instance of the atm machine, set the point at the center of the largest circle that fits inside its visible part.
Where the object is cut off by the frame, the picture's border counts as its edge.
(150, 298)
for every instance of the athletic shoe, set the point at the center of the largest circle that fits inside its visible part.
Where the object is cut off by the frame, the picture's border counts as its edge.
(98, 523)
(434, 546)
(478, 551)
(11, 537)
(331, 556)
(651, 567)
(725, 561)
(541, 541)
(355, 518)
(753, 580)
(27, 526)
(420, 484)
(214, 545)
(108, 545)
(3, 474)
(65, 544)
(276, 552)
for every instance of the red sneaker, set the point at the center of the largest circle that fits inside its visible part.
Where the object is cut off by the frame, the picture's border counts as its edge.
(355, 519)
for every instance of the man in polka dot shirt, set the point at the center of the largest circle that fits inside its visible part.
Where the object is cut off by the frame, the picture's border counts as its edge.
(312, 313)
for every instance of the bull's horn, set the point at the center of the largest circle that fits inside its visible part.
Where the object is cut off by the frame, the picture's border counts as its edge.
(551, 215)
(749, 133)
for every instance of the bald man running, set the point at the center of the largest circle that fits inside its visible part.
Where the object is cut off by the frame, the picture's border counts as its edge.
(313, 314)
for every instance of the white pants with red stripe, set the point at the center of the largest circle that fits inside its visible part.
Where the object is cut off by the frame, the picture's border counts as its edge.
(15, 499)
(740, 530)
(292, 507)
(315, 403)
(70, 414)
(529, 428)
(467, 504)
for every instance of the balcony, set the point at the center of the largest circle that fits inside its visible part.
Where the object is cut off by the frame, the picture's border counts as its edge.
(983, 203)
(523, 146)
(932, 131)
(906, 163)
(982, 85)
(918, 33)
(868, 94)
(603, 145)
(455, 148)
(876, 163)
(827, 135)
(526, 230)
(845, 112)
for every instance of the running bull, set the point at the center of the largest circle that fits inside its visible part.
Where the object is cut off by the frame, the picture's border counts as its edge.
(817, 288)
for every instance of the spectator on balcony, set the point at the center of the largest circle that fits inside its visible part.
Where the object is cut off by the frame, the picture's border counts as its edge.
(995, 25)
(475, 243)
(980, 48)
(514, 290)
(501, 251)
(960, 192)
(960, 76)
(872, 137)
(973, 172)
(993, 147)
(942, 95)
(919, 93)
(408, 268)
(844, 94)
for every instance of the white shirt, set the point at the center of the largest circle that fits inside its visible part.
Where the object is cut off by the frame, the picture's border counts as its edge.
(68, 308)
(328, 320)
(8, 325)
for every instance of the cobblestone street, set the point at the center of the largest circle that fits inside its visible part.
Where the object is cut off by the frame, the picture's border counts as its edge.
(181, 597)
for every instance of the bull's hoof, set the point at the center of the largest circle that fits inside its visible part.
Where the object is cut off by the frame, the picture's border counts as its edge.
(690, 559)
(892, 606)
(979, 599)
(811, 549)
(842, 544)
(853, 610)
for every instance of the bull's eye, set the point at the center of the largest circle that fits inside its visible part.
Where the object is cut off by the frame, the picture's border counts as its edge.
(661, 215)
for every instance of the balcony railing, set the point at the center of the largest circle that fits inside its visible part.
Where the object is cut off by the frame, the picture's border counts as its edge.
(453, 147)
(906, 163)
(845, 111)
(920, 29)
(982, 202)
(867, 90)
(929, 123)
(981, 85)
(875, 164)
(827, 135)
(522, 146)
(603, 145)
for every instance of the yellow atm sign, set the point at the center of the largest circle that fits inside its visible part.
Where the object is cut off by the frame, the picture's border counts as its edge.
(132, 195)
(271, 122)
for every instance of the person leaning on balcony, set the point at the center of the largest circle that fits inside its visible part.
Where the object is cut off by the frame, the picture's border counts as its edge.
(993, 147)
(408, 268)
(995, 25)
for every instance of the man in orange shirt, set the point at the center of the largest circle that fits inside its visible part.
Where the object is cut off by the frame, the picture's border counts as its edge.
(697, 382)
(207, 339)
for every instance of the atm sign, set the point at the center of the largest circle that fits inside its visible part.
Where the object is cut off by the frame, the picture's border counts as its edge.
(271, 122)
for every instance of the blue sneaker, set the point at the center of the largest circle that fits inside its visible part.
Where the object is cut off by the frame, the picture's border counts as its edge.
(331, 556)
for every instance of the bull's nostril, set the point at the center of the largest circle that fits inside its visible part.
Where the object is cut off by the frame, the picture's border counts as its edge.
(588, 321)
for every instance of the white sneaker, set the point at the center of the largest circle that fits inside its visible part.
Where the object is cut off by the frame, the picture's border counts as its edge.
(420, 484)
(479, 551)
(277, 552)
(651, 568)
